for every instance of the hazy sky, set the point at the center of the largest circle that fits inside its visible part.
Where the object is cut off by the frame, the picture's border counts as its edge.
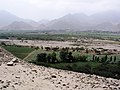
(50, 9)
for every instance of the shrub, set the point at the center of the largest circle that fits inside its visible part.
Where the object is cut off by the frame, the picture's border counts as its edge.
(118, 64)
(47, 48)
(36, 48)
(82, 58)
(55, 48)
(69, 67)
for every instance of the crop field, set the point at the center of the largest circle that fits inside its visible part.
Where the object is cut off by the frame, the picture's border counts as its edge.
(59, 36)
(33, 56)
(20, 52)
(88, 66)
(88, 52)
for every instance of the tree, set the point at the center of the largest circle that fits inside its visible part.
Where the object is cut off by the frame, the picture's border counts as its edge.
(49, 57)
(70, 57)
(104, 60)
(87, 50)
(98, 59)
(53, 57)
(93, 57)
(63, 55)
(41, 57)
(111, 59)
(114, 58)
(105, 57)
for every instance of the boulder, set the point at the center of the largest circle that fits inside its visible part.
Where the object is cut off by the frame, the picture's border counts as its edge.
(53, 76)
(14, 60)
(10, 63)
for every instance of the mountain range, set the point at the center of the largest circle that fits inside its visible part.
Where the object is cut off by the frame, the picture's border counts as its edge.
(103, 21)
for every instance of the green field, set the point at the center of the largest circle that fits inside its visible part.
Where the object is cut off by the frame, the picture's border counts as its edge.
(60, 36)
(91, 67)
(33, 56)
(20, 52)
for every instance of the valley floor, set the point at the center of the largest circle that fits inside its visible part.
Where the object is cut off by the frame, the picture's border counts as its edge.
(25, 76)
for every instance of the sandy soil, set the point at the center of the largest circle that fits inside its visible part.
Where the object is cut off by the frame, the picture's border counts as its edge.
(40, 43)
(25, 76)
(107, 44)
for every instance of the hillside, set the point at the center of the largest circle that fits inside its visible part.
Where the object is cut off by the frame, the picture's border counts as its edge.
(7, 18)
(18, 26)
(22, 76)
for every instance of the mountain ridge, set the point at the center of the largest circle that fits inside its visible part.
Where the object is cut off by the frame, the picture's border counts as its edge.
(104, 21)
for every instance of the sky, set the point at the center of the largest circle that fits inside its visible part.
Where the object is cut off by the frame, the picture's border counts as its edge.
(51, 9)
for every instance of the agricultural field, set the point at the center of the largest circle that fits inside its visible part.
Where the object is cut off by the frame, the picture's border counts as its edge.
(59, 35)
(88, 52)
(87, 65)
(19, 51)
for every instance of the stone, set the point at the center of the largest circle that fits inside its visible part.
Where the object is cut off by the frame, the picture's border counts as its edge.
(53, 76)
(59, 83)
(14, 60)
(10, 63)
(76, 86)
(34, 70)
(5, 85)
(17, 77)
(1, 81)
(64, 84)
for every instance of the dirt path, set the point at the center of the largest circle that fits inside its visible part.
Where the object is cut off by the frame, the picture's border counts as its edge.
(29, 55)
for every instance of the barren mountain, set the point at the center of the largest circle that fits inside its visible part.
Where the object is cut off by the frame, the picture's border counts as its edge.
(18, 25)
(104, 21)
(106, 26)
(7, 18)
(10, 21)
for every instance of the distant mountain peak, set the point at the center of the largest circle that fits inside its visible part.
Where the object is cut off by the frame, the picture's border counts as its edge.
(7, 18)
(108, 21)
(18, 25)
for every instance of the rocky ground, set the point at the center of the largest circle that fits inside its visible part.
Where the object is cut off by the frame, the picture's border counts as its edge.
(24, 76)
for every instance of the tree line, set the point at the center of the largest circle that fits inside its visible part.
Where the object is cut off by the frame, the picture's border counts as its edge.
(65, 56)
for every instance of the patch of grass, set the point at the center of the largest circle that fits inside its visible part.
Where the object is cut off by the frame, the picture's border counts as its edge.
(20, 52)
(34, 55)
(90, 67)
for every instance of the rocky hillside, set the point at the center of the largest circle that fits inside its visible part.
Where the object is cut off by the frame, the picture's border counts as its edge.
(24, 76)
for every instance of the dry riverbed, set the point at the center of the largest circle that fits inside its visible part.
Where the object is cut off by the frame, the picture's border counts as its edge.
(94, 43)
